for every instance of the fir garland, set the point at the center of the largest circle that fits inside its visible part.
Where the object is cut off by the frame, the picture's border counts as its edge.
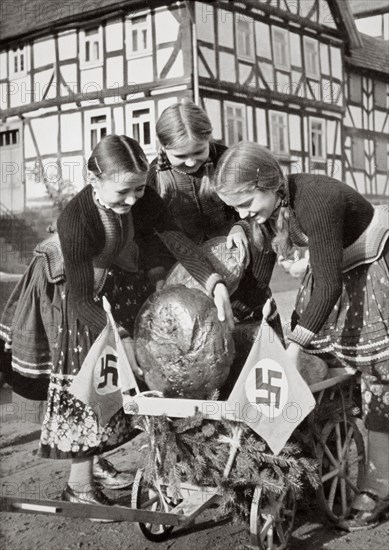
(196, 450)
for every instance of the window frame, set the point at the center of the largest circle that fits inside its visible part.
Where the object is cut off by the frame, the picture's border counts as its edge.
(249, 37)
(89, 126)
(129, 28)
(323, 133)
(284, 33)
(277, 150)
(83, 41)
(130, 121)
(15, 55)
(243, 118)
(312, 42)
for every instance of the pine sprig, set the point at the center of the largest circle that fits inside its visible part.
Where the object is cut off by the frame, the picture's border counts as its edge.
(196, 450)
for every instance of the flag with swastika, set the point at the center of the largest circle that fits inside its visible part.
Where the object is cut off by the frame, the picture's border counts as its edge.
(270, 395)
(104, 375)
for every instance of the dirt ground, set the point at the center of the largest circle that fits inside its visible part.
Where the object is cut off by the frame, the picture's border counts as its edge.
(25, 475)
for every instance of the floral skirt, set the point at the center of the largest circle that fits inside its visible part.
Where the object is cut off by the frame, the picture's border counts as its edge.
(49, 344)
(357, 334)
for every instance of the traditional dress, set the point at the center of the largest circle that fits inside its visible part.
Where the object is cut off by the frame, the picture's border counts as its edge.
(342, 308)
(55, 314)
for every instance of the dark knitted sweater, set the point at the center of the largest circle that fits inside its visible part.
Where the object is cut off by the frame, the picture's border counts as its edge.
(332, 215)
(199, 217)
(83, 236)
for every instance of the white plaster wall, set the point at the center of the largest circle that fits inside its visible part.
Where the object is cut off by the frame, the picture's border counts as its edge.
(163, 104)
(177, 68)
(225, 23)
(379, 122)
(295, 132)
(262, 39)
(166, 27)
(3, 95)
(336, 62)
(356, 113)
(295, 49)
(67, 45)
(204, 22)
(250, 123)
(74, 170)
(118, 117)
(69, 74)
(43, 52)
(71, 132)
(213, 108)
(283, 83)
(140, 70)
(3, 65)
(41, 81)
(244, 72)
(210, 57)
(324, 59)
(260, 118)
(381, 184)
(268, 75)
(91, 80)
(227, 67)
(20, 91)
(114, 36)
(46, 133)
(115, 72)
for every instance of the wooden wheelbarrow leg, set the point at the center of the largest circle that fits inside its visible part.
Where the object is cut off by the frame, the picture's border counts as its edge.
(95, 511)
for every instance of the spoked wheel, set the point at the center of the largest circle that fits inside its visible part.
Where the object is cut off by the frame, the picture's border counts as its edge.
(146, 497)
(271, 519)
(341, 454)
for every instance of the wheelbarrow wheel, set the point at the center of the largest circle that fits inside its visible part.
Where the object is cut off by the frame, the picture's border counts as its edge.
(145, 496)
(341, 455)
(271, 519)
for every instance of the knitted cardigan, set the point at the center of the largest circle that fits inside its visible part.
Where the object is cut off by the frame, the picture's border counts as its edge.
(199, 217)
(327, 216)
(83, 237)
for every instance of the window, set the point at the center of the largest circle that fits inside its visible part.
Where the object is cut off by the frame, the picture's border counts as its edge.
(235, 121)
(98, 129)
(244, 38)
(381, 155)
(139, 36)
(9, 138)
(279, 133)
(280, 48)
(91, 47)
(311, 57)
(380, 94)
(317, 139)
(18, 62)
(141, 124)
(358, 153)
(355, 88)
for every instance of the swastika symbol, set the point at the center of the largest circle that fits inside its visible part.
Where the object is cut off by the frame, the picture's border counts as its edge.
(107, 369)
(267, 386)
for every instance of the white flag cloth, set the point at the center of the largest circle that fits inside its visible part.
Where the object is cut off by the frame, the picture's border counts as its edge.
(104, 375)
(270, 395)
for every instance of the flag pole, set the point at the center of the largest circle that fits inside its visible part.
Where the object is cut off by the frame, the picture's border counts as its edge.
(126, 375)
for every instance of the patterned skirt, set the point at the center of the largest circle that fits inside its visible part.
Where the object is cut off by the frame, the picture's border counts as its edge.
(357, 334)
(49, 344)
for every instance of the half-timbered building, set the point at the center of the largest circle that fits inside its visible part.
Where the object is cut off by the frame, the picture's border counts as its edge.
(273, 71)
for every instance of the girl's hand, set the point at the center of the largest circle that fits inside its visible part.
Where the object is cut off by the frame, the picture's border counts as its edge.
(293, 351)
(238, 238)
(128, 344)
(223, 305)
(159, 285)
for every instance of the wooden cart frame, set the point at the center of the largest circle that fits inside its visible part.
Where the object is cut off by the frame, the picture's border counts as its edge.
(338, 446)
